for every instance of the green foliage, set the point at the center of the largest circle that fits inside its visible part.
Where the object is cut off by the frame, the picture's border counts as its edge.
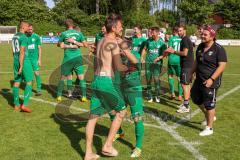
(42, 28)
(229, 10)
(166, 16)
(191, 29)
(196, 11)
(228, 33)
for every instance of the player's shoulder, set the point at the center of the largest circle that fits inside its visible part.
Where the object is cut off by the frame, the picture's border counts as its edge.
(36, 35)
(219, 47)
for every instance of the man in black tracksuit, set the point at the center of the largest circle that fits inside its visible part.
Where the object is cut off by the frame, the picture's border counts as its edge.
(209, 65)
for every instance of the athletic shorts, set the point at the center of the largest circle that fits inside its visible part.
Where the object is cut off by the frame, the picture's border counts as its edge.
(74, 64)
(105, 97)
(174, 70)
(132, 92)
(152, 69)
(35, 65)
(202, 95)
(27, 71)
(186, 76)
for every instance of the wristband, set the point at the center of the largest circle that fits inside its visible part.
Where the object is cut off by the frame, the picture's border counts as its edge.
(212, 79)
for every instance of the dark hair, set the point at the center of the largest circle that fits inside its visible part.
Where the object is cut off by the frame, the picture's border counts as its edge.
(69, 22)
(175, 29)
(111, 21)
(155, 29)
(201, 26)
(138, 26)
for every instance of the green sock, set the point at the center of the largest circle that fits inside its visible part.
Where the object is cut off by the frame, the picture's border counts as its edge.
(149, 90)
(120, 129)
(69, 85)
(171, 84)
(60, 88)
(180, 90)
(27, 94)
(39, 83)
(157, 87)
(139, 132)
(15, 91)
(82, 84)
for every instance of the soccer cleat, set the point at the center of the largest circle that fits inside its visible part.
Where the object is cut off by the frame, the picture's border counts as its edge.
(180, 98)
(206, 132)
(183, 109)
(70, 94)
(136, 153)
(150, 100)
(172, 97)
(157, 99)
(16, 108)
(59, 98)
(25, 109)
(204, 123)
(118, 135)
(84, 99)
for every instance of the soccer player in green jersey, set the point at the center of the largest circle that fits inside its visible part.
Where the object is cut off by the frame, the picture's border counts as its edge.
(72, 60)
(174, 67)
(35, 52)
(22, 67)
(152, 56)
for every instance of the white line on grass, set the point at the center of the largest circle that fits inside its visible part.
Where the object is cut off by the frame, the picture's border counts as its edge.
(177, 137)
(219, 98)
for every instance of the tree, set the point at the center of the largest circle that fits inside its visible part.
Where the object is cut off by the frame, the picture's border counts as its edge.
(196, 12)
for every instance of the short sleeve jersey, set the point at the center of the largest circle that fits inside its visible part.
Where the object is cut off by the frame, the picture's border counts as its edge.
(71, 33)
(186, 61)
(154, 49)
(137, 46)
(33, 42)
(19, 40)
(207, 62)
(174, 42)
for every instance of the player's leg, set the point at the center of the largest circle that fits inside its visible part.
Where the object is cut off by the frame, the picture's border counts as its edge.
(36, 69)
(16, 84)
(177, 69)
(171, 80)
(69, 85)
(148, 74)
(79, 69)
(28, 76)
(156, 74)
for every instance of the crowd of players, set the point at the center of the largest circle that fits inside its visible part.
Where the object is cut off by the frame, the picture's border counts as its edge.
(118, 63)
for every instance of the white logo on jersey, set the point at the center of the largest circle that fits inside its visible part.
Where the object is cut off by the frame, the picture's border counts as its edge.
(210, 53)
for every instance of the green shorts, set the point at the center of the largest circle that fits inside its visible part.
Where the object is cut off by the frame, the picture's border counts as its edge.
(74, 64)
(174, 70)
(105, 98)
(35, 65)
(152, 69)
(132, 92)
(27, 72)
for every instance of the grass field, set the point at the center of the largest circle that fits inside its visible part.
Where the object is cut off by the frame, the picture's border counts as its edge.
(168, 135)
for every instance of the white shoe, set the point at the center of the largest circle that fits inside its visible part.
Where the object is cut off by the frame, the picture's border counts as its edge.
(69, 94)
(157, 99)
(150, 100)
(136, 153)
(183, 109)
(204, 123)
(206, 132)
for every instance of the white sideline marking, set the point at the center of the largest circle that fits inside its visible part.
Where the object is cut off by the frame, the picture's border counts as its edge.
(219, 98)
(196, 143)
(177, 137)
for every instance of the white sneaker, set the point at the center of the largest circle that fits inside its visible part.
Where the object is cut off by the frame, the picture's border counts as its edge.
(204, 123)
(183, 109)
(206, 132)
(157, 99)
(69, 94)
(136, 153)
(150, 100)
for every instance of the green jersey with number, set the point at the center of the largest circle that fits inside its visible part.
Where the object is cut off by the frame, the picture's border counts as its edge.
(154, 49)
(137, 46)
(77, 36)
(19, 40)
(174, 42)
(33, 42)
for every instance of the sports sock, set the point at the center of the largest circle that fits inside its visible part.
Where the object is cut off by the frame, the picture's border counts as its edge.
(171, 84)
(139, 132)
(186, 103)
(60, 88)
(82, 84)
(180, 90)
(15, 91)
(69, 84)
(27, 94)
(157, 87)
(39, 83)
